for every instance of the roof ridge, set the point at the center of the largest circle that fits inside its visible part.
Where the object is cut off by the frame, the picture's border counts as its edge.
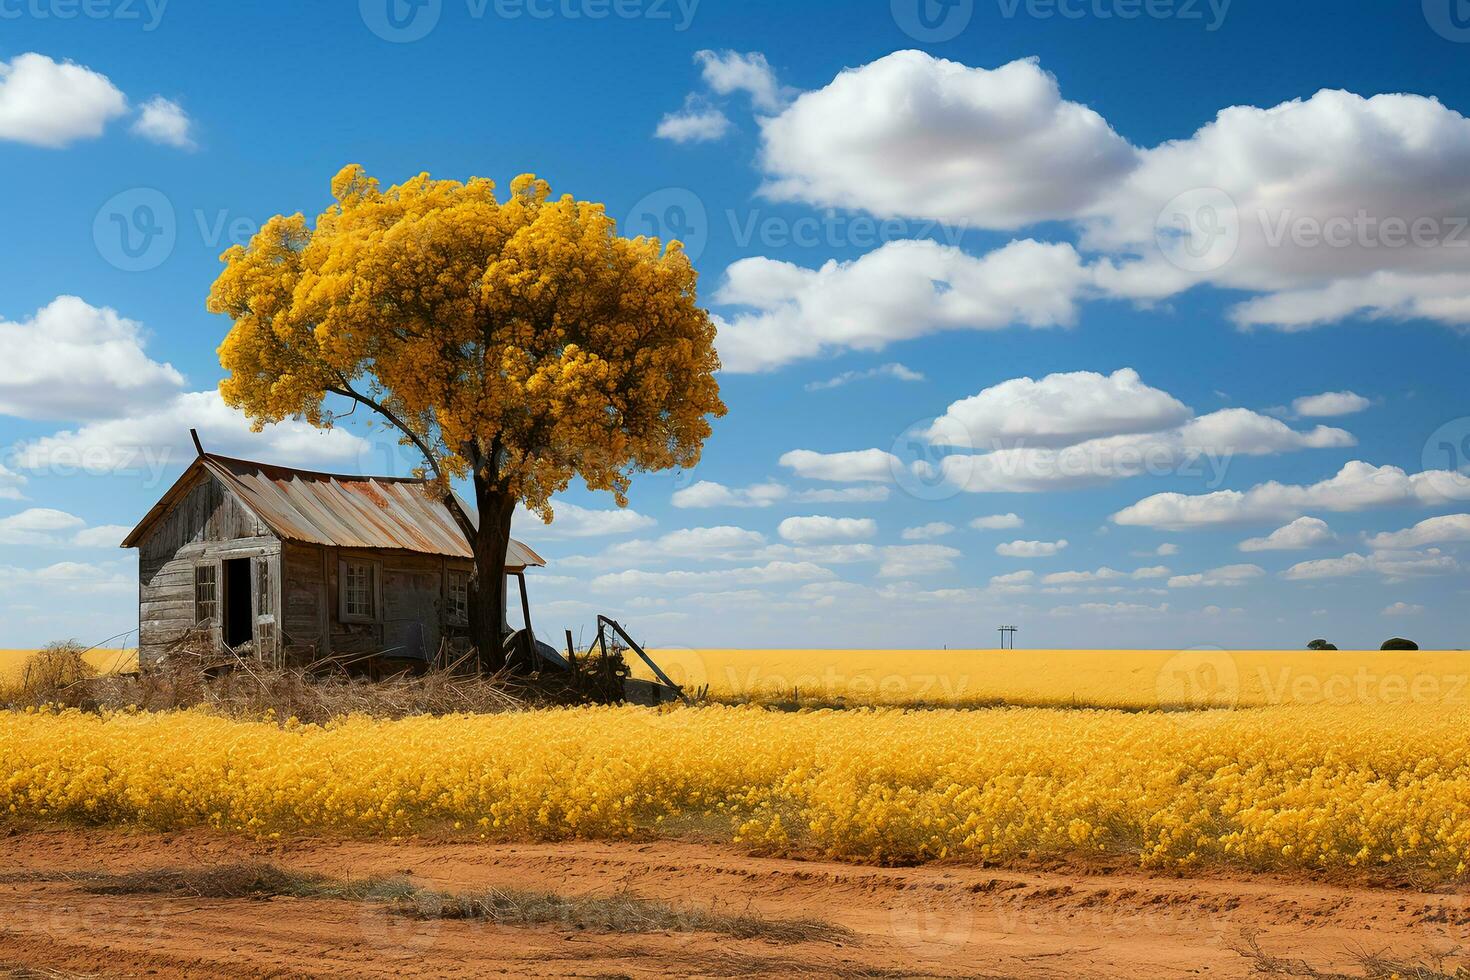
(336, 510)
(316, 473)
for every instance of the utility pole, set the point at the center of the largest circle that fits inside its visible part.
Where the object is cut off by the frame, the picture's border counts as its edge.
(1003, 631)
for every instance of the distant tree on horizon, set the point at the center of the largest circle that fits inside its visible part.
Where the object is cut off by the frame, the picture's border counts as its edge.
(1321, 644)
(1398, 643)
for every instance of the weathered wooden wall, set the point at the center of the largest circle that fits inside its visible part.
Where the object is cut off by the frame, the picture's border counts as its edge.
(411, 617)
(206, 524)
(209, 525)
(208, 512)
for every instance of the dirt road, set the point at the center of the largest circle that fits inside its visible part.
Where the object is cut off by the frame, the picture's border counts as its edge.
(946, 921)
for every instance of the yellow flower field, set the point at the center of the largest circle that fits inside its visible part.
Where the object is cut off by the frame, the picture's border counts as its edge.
(1380, 787)
(1201, 677)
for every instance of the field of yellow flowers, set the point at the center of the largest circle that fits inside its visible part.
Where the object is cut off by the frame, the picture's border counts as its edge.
(1367, 787)
(1133, 679)
(1195, 678)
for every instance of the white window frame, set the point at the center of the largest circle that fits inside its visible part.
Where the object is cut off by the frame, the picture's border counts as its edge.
(374, 571)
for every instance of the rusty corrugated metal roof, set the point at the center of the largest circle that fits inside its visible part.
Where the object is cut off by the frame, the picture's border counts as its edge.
(345, 511)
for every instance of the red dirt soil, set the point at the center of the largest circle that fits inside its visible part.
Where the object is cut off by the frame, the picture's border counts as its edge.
(938, 920)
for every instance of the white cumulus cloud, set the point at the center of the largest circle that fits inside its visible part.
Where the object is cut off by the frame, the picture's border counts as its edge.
(101, 536)
(48, 527)
(1070, 430)
(700, 543)
(697, 122)
(74, 361)
(164, 121)
(1357, 486)
(1392, 565)
(571, 521)
(1319, 187)
(1434, 530)
(899, 291)
(1061, 409)
(1304, 532)
(37, 526)
(894, 370)
(913, 560)
(807, 530)
(842, 495)
(1325, 207)
(1030, 549)
(1119, 609)
(771, 573)
(707, 493)
(860, 465)
(1225, 575)
(52, 104)
(1013, 581)
(157, 439)
(1103, 574)
(1208, 441)
(927, 532)
(1329, 404)
(726, 72)
(11, 483)
(68, 578)
(910, 135)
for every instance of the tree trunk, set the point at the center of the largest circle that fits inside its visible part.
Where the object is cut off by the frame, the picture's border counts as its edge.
(487, 587)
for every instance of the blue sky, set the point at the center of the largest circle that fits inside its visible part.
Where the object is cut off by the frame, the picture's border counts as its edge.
(1110, 272)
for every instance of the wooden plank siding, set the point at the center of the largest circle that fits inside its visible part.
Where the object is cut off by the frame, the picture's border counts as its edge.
(304, 603)
(410, 618)
(206, 523)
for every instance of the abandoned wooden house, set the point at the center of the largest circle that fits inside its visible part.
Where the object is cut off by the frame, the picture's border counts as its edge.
(298, 566)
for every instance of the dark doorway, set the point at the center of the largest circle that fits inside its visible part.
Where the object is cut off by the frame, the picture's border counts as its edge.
(236, 625)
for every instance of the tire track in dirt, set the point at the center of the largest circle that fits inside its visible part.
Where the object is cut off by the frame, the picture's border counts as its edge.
(937, 920)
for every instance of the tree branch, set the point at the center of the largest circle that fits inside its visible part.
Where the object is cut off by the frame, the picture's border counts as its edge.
(466, 526)
(347, 391)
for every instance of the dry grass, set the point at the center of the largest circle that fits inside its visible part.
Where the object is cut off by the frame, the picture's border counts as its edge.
(237, 685)
(252, 880)
(56, 668)
(1372, 966)
(619, 913)
(616, 913)
(245, 688)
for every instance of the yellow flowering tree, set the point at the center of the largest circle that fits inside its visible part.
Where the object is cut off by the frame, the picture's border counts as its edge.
(515, 344)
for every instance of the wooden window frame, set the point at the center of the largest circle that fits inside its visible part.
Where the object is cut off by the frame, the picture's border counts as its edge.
(375, 590)
(213, 619)
(456, 616)
(264, 626)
